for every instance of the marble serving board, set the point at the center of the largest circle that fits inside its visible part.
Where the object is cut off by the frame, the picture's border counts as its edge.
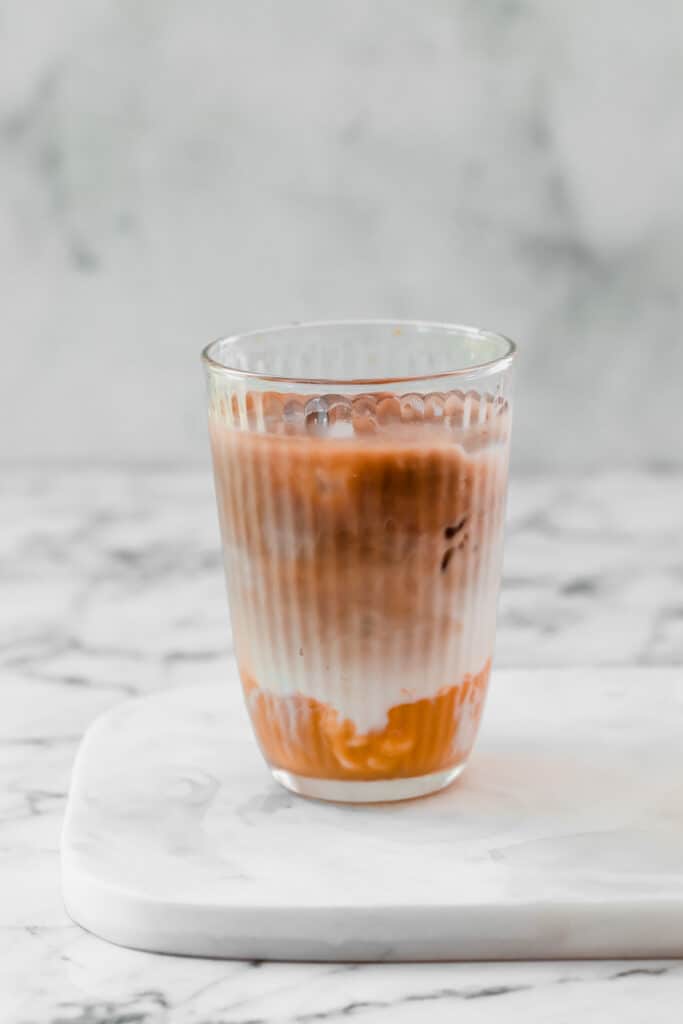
(563, 838)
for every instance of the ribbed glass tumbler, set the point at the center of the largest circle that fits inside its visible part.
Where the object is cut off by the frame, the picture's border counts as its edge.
(361, 474)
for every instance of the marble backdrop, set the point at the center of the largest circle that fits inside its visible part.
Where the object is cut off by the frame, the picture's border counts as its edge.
(173, 171)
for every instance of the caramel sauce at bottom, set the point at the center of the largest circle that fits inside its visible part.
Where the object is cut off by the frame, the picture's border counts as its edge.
(308, 737)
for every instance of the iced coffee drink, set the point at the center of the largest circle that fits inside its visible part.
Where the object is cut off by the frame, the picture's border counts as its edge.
(362, 533)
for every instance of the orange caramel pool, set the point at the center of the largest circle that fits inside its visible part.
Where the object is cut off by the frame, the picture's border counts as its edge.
(309, 738)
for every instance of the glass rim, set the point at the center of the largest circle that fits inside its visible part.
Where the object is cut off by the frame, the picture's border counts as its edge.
(482, 369)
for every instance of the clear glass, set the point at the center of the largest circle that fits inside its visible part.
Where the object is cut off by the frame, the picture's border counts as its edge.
(361, 476)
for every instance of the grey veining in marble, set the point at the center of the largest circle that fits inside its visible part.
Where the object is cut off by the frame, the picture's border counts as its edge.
(110, 585)
(171, 172)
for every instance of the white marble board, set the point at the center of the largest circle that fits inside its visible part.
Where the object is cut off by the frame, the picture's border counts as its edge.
(564, 837)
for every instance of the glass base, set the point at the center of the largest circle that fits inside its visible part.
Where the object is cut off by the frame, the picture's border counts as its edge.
(339, 791)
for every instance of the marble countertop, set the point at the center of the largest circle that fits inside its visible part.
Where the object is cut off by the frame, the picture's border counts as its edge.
(111, 586)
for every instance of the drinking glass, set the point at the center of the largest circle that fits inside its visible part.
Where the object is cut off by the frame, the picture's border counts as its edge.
(361, 475)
